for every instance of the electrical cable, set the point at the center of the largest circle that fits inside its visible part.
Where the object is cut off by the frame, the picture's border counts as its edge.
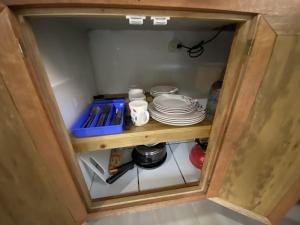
(198, 49)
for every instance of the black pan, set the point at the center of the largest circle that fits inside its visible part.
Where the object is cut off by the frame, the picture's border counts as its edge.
(149, 157)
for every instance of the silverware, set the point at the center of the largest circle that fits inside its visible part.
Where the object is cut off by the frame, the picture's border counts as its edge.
(117, 119)
(91, 117)
(103, 116)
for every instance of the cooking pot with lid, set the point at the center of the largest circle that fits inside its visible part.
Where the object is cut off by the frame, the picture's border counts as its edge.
(150, 157)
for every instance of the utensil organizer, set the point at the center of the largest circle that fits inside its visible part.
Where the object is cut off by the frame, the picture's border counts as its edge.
(92, 130)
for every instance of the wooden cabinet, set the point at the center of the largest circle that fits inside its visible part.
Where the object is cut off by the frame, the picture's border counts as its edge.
(37, 185)
(253, 155)
(260, 177)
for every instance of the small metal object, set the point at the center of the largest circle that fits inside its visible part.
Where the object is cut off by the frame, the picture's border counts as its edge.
(91, 117)
(103, 116)
(117, 119)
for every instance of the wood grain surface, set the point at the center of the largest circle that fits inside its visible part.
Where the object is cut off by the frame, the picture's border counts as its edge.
(283, 15)
(253, 72)
(16, 74)
(163, 195)
(1, 7)
(266, 165)
(264, 132)
(40, 79)
(146, 207)
(244, 34)
(27, 195)
(153, 132)
(88, 11)
(274, 7)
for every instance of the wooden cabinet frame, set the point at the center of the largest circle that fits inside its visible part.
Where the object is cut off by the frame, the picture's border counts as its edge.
(241, 44)
(242, 48)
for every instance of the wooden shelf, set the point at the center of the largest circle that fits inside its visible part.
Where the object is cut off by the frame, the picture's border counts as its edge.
(153, 132)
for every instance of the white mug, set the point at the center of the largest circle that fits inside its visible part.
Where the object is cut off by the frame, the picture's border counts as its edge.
(136, 94)
(139, 113)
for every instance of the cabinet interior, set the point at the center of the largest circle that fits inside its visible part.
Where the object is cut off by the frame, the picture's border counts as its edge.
(105, 55)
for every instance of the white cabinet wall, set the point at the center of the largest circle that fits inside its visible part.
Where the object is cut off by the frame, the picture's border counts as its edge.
(88, 56)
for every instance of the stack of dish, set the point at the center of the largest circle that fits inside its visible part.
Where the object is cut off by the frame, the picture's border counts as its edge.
(159, 90)
(177, 110)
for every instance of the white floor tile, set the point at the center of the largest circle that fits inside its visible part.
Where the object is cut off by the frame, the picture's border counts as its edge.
(86, 173)
(128, 183)
(165, 175)
(181, 152)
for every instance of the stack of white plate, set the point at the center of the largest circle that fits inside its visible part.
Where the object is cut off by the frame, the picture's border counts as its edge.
(177, 110)
(159, 90)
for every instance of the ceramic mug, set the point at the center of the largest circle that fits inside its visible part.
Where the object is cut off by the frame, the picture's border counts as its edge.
(139, 114)
(136, 94)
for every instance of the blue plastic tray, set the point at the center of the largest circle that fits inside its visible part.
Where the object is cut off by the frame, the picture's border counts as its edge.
(92, 130)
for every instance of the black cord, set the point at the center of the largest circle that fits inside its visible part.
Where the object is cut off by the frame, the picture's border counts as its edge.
(198, 49)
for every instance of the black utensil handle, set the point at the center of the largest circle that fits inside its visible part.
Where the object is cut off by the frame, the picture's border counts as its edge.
(121, 171)
(91, 121)
(100, 120)
(87, 122)
(105, 118)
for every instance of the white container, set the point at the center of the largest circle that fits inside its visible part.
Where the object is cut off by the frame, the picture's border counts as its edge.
(139, 112)
(136, 94)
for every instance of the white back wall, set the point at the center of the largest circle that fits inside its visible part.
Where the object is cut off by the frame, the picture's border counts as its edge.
(65, 54)
(124, 59)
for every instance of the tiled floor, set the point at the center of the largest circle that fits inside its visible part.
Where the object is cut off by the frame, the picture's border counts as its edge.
(198, 213)
(176, 170)
(168, 174)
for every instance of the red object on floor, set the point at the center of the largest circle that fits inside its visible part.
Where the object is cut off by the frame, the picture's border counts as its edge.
(197, 156)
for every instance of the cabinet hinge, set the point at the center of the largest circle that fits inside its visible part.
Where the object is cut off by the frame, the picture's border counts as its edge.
(21, 49)
(250, 43)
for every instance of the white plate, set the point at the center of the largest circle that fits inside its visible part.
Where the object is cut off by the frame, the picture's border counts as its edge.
(176, 120)
(163, 89)
(175, 102)
(174, 111)
(195, 113)
(187, 116)
(157, 94)
(177, 123)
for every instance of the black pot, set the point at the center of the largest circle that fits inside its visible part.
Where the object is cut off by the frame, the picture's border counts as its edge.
(149, 157)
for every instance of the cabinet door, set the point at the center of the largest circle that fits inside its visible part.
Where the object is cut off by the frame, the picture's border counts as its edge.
(36, 185)
(258, 168)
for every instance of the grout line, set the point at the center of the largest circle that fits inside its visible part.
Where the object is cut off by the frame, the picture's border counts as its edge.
(177, 163)
(93, 179)
(138, 178)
